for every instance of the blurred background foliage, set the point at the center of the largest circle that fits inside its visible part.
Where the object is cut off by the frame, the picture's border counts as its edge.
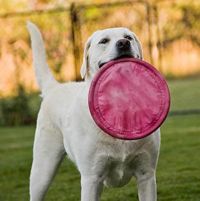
(169, 32)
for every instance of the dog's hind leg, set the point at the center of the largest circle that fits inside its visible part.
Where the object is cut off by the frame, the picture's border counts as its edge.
(48, 153)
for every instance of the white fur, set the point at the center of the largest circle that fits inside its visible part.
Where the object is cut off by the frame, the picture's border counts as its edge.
(65, 125)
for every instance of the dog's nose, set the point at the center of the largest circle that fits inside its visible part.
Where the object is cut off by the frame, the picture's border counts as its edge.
(123, 44)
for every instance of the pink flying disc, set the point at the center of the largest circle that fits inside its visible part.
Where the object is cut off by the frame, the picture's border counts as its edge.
(128, 99)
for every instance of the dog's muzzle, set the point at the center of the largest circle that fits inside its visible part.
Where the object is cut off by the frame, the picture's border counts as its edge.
(123, 45)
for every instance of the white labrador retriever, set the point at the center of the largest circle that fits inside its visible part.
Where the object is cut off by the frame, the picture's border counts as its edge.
(65, 125)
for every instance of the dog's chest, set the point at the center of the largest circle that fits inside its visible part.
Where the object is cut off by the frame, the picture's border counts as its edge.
(120, 161)
(119, 173)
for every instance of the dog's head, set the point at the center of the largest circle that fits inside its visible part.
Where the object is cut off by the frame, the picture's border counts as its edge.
(106, 45)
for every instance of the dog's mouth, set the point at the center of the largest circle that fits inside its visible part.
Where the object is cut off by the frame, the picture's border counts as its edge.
(118, 57)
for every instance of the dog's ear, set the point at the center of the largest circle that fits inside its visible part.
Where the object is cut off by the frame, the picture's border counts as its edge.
(85, 65)
(139, 47)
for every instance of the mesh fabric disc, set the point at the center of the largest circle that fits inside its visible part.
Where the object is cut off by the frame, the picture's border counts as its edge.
(128, 99)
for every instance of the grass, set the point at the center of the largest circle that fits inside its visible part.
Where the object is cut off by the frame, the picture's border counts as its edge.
(178, 169)
(178, 175)
(185, 93)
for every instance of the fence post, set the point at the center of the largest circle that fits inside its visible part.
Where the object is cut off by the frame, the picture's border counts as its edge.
(76, 39)
(159, 41)
(149, 21)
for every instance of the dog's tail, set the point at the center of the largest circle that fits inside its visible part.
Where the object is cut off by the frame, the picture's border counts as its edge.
(44, 76)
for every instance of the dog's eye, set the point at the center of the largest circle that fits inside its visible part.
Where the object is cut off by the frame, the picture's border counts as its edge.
(128, 37)
(104, 41)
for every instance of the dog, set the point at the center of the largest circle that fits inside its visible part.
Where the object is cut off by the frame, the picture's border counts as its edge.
(65, 126)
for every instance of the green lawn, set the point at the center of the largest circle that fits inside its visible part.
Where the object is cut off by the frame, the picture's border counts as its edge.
(178, 174)
(178, 170)
(185, 93)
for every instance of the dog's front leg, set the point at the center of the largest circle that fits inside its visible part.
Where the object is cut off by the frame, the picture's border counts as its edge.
(147, 187)
(91, 188)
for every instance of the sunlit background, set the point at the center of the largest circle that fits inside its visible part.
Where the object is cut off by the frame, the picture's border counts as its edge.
(169, 31)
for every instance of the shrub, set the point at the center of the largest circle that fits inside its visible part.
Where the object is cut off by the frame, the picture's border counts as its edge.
(19, 110)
